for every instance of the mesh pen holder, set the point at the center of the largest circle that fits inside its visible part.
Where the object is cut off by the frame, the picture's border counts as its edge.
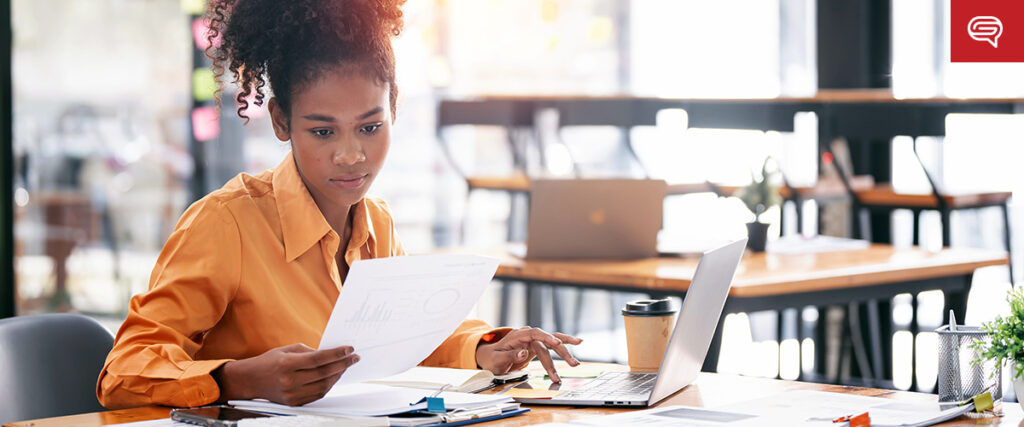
(959, 378)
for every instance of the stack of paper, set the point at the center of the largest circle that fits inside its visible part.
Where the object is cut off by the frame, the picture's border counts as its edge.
(374, 400)
(796, 408)
(816, 407)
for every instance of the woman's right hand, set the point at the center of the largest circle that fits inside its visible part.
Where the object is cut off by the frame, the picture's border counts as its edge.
(292, 375)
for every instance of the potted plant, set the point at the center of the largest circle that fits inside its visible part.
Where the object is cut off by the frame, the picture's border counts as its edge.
(1006, 341)
(758, 196)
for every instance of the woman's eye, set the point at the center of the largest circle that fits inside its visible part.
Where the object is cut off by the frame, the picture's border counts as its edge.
(321, 132)
(370, 129)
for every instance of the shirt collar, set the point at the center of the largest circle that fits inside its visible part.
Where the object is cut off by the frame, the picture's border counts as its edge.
(302, 223)
(362, 231)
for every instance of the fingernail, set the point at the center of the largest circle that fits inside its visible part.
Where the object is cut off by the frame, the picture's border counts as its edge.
(574, 361)
(522, 354)
(355, 359)
(556, 378)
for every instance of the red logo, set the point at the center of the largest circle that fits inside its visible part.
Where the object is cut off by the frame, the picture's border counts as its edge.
(987, 31)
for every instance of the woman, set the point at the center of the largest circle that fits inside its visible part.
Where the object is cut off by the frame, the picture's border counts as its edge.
(245, 285)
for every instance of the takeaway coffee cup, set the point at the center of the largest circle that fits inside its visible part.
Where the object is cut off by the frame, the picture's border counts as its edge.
(648, 326)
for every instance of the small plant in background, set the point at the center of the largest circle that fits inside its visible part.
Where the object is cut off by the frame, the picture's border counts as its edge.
(761, 193)
(1006, 334)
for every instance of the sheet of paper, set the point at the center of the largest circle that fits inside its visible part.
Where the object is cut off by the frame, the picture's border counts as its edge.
(163, 422)
(373, 400)
(671, 416)
(815, 244)
(396, 311)
(807, 407)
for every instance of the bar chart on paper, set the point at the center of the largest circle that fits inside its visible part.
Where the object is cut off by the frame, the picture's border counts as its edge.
(395, 311)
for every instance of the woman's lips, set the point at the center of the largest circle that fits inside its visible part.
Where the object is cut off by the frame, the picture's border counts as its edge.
(349, 181)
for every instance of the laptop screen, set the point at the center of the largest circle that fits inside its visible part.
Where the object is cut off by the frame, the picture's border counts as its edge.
(698, 319)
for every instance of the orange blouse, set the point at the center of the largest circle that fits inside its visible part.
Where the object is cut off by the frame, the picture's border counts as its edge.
(249, 268)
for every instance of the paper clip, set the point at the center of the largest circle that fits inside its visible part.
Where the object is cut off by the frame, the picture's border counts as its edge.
(861, 420)
(441, 390)
(435, 404)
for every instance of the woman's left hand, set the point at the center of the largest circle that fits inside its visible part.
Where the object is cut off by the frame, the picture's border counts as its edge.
(517, 348)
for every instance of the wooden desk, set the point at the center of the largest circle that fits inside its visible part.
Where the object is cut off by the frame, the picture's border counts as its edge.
(776, 282)
(709, 390)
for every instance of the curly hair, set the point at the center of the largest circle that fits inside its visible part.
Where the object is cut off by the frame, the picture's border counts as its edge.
(289, 43)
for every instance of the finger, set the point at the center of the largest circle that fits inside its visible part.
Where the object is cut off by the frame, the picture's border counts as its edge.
(319, 388)
(563, 352)
(521, 337)
(318, 358)
(312, 375)
(568, 339)
(517, 359)
(523, 358)
(545, 361)
(501, 362)
(296, 348)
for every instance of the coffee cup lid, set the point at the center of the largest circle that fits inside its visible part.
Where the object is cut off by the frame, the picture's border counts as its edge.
(649, 307)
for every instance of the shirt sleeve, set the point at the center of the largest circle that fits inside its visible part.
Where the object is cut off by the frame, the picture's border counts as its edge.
(194, 280)
(459, 349)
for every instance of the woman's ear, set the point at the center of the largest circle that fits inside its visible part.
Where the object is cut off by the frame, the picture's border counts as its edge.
(280, 120)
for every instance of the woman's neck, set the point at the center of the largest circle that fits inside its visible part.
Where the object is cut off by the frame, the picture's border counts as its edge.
(340, 220)
(338, 216)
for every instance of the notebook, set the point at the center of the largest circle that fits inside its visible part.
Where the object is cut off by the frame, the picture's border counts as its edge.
(423, 377)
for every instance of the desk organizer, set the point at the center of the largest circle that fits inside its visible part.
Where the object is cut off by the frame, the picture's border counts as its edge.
(959, 377)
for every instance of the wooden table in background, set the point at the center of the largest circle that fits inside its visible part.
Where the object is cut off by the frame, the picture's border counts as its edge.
(766, 281)
(709, 390)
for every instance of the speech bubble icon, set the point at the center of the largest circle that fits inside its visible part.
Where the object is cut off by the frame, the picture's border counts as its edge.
(985, 29)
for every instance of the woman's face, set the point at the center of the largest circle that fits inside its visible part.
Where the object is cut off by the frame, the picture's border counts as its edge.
(340, 131)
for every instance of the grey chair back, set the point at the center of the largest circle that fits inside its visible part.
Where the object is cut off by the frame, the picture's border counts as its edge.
(49, 364)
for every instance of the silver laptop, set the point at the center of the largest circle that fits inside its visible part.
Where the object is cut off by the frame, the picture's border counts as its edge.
(687, 347)
(593, 219)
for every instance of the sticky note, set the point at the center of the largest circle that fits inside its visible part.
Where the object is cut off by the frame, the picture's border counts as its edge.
(193, 7)
(200, 31)
(862, 420)
(252, 110)
(983, 402)
(204, 85)
(530, 393)
(579, 372)
(205, 124)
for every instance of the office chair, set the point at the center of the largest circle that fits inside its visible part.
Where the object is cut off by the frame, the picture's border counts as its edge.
(517, 121)
(884, 198)
(49, 364)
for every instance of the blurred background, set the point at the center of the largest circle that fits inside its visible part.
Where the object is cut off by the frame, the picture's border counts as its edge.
(115, 133)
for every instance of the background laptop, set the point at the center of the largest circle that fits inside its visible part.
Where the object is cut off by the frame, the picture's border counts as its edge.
(593, 218)
(687, 347)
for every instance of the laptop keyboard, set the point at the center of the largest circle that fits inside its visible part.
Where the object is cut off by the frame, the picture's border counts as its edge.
(615, 386)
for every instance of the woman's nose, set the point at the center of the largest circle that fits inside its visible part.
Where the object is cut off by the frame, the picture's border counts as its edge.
(349, 154)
